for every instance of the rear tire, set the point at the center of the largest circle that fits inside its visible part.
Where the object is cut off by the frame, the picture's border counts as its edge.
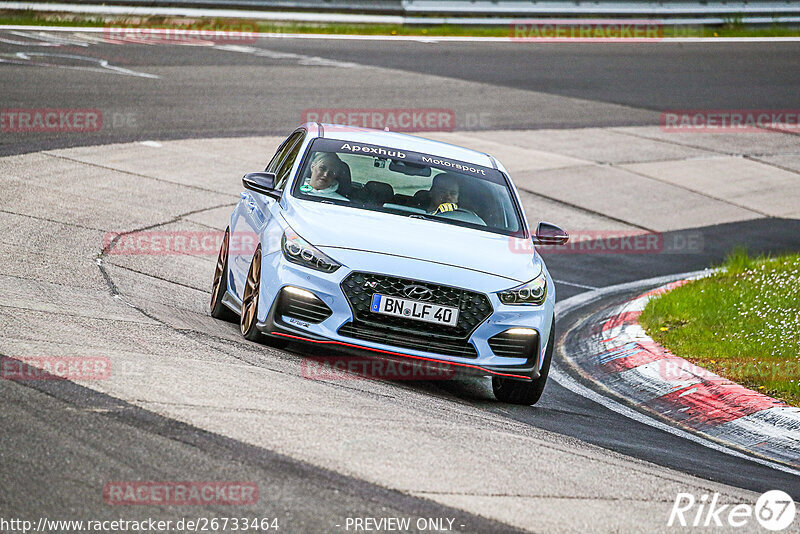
(249, 315)
(524, 392)
(220, 284)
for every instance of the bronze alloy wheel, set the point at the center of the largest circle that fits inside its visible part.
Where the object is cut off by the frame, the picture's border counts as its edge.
(219, 270)
(249, 315)
(220, 283)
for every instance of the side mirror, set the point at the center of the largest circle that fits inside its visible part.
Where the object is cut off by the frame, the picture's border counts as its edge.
(550, 234)
(261, 182)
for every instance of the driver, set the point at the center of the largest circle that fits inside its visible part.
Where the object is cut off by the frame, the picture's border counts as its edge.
(444, 194)
(327, 173)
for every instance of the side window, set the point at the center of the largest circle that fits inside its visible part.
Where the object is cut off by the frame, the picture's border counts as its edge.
(285, 168)
(282, 150)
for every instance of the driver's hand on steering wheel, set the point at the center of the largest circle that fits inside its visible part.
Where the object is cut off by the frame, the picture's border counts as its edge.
(445, 207)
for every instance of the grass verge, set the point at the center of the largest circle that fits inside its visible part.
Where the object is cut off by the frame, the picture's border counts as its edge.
(742, 323)
(35, 18)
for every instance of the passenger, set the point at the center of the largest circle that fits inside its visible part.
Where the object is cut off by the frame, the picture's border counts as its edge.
(328, 172)
(443, 194)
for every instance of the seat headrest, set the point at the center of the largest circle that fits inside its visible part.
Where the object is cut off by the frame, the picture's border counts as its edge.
(344, 180)
(422, 198)
(378, 192)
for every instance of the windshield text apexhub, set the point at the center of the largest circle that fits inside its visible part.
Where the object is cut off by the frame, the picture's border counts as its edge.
(374, 150)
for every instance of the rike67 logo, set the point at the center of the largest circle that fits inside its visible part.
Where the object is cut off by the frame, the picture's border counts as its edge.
(774, 510)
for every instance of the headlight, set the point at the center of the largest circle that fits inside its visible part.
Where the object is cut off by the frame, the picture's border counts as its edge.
(298, 250)
(533, 292)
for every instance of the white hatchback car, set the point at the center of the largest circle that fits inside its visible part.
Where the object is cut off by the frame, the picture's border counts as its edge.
(395, 245)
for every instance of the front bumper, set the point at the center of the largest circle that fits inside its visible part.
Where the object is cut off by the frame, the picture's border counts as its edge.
(277, 274)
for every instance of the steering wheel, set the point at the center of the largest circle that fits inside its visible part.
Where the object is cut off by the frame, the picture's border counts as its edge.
(463, 214)
(462, 210)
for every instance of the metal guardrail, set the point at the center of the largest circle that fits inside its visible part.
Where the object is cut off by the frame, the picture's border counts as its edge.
(522, 8)
(466, 12)
(393, 7)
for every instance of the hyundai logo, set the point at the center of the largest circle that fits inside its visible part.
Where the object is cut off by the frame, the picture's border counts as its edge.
(417, 292)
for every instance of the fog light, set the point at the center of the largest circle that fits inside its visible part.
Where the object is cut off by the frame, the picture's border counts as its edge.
(522, 332)
(300, 292)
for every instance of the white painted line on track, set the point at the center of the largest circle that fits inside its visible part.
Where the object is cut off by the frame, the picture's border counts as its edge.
(574, 284)
(567, 381)
(308, 61)
(439, 39)
(41, 39)
(727, 412)
(29, 59)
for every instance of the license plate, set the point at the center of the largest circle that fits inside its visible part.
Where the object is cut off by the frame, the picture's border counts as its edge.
(414, 309)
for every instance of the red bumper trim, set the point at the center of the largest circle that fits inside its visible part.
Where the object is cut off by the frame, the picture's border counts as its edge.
(361, 347)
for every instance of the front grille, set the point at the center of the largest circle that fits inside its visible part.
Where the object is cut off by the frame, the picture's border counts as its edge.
(473, 309)
(514, 345)
(409, 341)
(310, 310)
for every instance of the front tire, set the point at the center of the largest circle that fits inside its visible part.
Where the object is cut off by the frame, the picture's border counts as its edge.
(220, 283)
(249, 315)
(527, 393)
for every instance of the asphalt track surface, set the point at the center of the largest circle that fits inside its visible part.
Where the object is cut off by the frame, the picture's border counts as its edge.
(263, 87)
(207, 92)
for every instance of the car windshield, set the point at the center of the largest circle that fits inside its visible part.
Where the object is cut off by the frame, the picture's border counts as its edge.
(407, 183)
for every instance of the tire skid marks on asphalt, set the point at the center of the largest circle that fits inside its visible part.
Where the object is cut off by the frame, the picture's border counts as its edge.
(43, 39)
(567, 381)
(782, 423)
(143, 41)
(84, 39)
(87, 39)
(651, 387)
(617, 353)
(47, 59)
(306, 61)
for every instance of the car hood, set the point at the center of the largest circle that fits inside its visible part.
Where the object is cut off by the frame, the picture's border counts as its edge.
(330, 227)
